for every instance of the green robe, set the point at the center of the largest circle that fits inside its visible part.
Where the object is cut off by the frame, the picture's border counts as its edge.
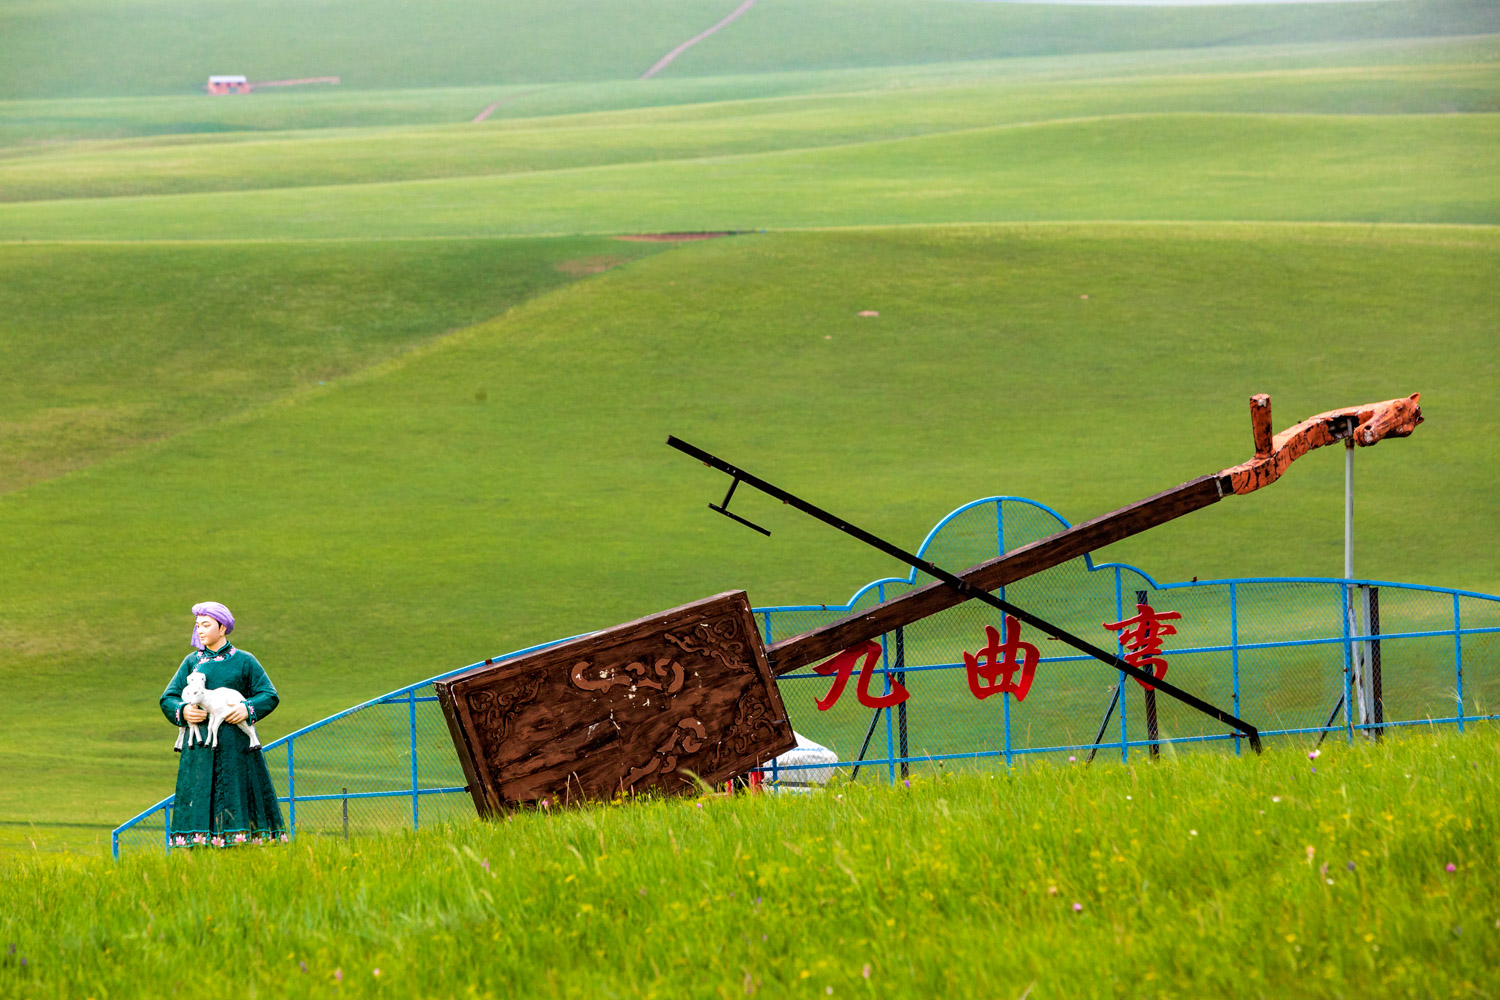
(224, 793)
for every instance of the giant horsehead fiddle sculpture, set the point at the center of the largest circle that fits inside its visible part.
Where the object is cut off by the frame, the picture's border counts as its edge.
(690, 695)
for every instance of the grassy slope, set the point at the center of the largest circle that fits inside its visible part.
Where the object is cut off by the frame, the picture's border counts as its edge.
(429, 517)
(427, 522)
(323, 157)
(1178, 167)
(32, 127)
(78, 48)
(1213, 875)
(105, 348)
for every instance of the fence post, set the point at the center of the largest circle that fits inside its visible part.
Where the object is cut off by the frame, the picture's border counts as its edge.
(901, 708)
(890, 732)
(1120, 684)
(1349, 669)
(1006, 696)
(1458, 660)
(346, 812)
(166, 828)
(1234, 655)
(411, 704)
(1152, 732)
(291, 789)
(1377, 687)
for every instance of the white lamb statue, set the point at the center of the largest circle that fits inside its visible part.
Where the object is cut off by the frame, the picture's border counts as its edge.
(218, 703)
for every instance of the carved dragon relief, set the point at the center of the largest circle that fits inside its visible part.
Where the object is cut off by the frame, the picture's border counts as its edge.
(667, 676)
(495, 714)
(719, 639)
(754, 723)
(686, 739)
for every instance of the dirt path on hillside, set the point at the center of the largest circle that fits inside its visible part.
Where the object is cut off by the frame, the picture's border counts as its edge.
(662, 63)
(504, 100)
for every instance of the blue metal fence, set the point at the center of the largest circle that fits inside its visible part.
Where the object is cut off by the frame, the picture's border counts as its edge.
(1296, 657)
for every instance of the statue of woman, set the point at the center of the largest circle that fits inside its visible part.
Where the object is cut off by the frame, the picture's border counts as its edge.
(224, 793)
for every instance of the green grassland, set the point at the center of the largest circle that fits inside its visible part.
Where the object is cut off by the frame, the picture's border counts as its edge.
(1170, 167)
(1207, 875)
(43, 125)
(185, 336)
(430, 490)
(384, 383)
(84, 48)
(325, 157)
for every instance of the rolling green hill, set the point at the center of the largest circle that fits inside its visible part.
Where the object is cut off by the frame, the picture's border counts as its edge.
(397, 395)
(315, 157)
(88, 48)
(508, 483)
(1172, 167)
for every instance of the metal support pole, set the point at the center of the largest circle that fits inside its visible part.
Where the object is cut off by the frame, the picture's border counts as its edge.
(1357, 693)
(346, 812)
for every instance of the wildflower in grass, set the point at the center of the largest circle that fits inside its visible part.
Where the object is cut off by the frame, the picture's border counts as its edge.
(1349, 866)
(1324, 870)
(1451, 867)
(485, 864)
(1052, 890)
(377, 973)
(906, 782)
(1276, 798)
(1310, 852)
(1077, 907)
(1071, 759)
(303, 965)
(865, 971)
(1192, 833)
(698, 804)
(338, 975)
(1314, 754)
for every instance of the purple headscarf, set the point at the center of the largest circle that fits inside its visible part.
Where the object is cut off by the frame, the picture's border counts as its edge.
(217, 612)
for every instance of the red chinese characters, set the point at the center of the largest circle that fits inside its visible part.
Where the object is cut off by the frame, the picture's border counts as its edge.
(1141, 636)
(842, 665)
(1000, 663)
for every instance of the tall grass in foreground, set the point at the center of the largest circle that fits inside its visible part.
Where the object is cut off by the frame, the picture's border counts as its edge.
(1368, 871)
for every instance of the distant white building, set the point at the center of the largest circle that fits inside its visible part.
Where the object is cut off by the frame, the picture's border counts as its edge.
(228, 85)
